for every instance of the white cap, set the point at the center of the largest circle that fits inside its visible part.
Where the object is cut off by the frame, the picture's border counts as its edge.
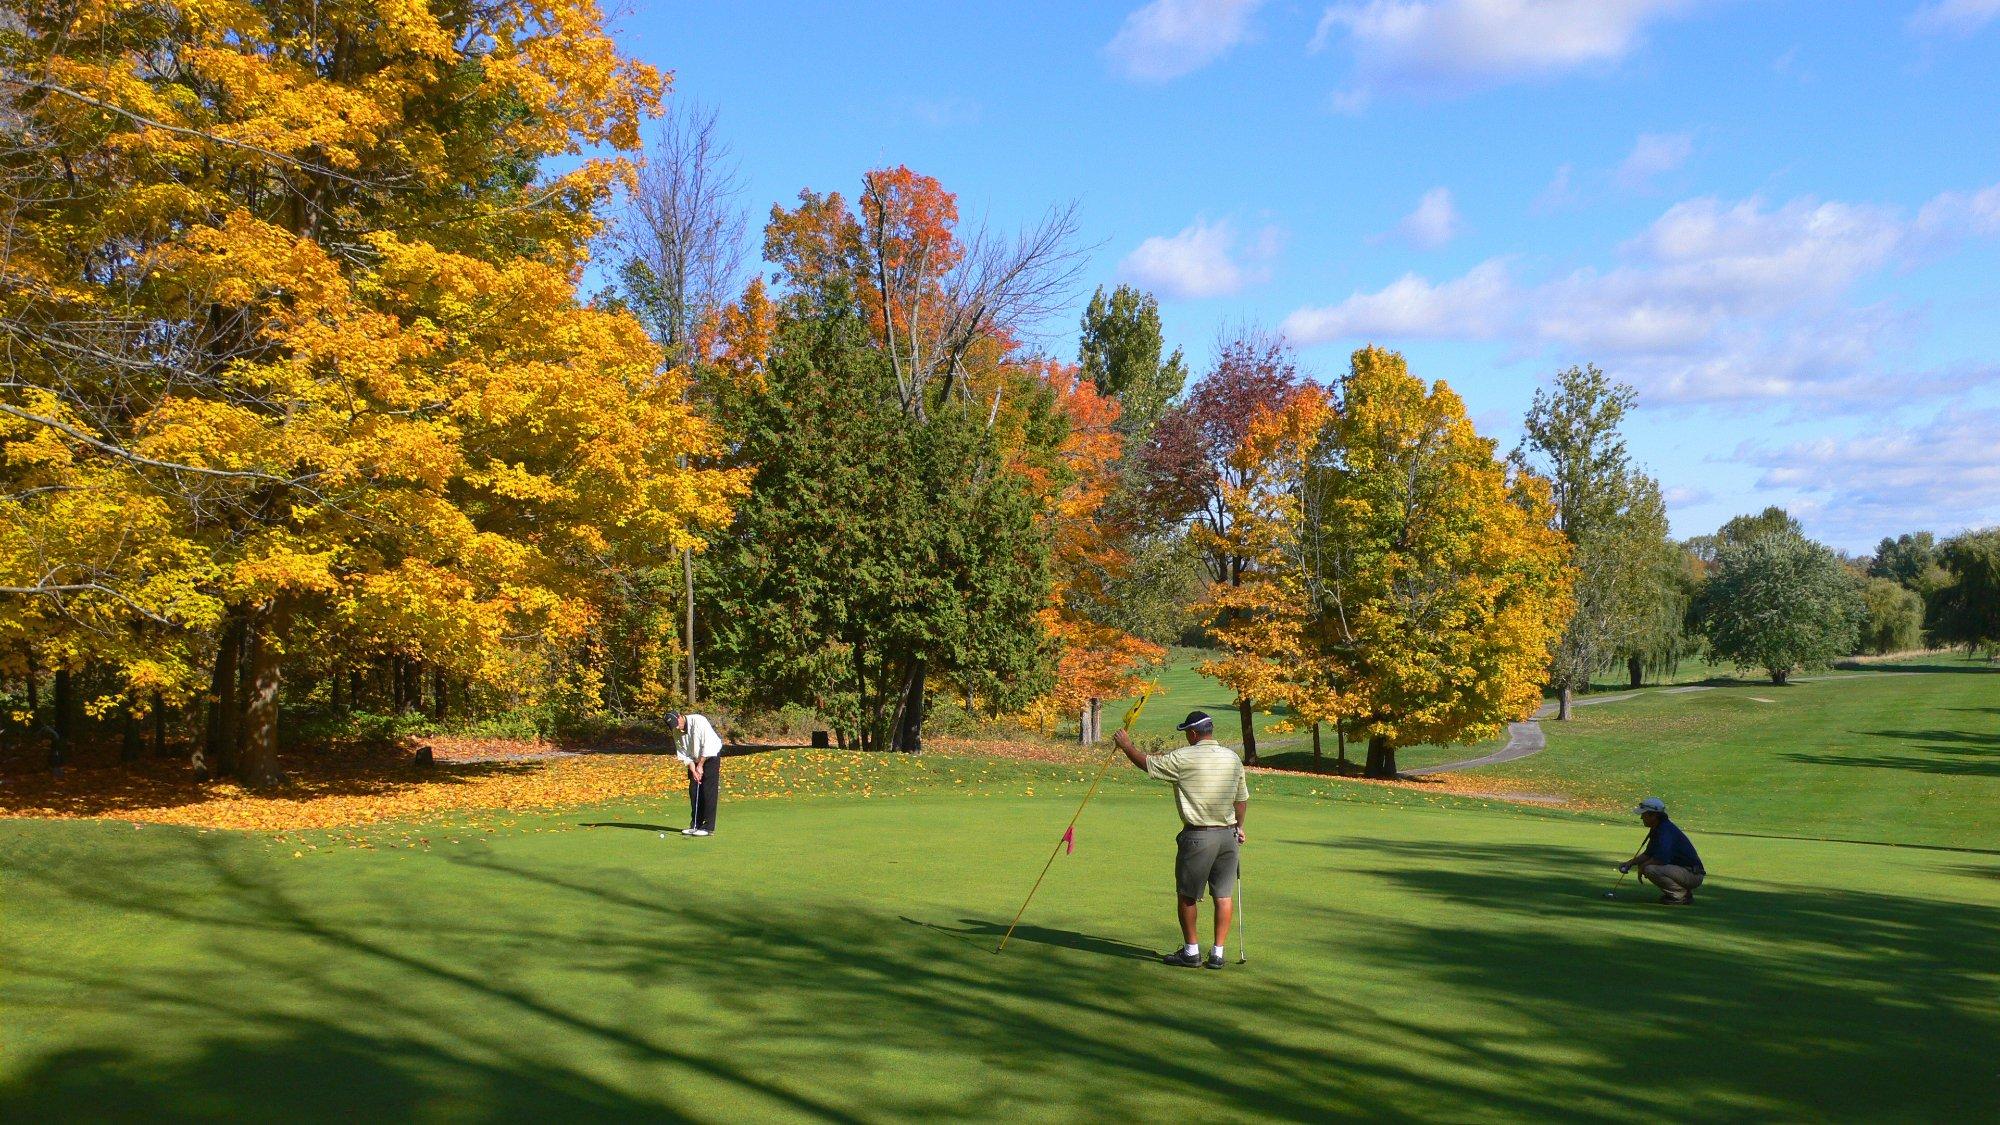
(1652, 804)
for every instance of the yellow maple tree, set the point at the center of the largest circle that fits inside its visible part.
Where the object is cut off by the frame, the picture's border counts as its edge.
(288, 298)
(1440, 585)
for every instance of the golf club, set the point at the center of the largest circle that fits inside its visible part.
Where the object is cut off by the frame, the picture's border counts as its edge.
(1242, 930)
(1613, 892)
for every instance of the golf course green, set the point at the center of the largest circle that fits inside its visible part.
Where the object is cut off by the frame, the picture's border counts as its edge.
(1410, 955)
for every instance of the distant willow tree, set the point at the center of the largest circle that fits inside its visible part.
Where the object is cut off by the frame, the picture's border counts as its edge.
(1782, 603)
(1895, 621)
(1966, 610)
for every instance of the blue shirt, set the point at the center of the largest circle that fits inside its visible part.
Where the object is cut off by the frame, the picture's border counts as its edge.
(1666, 843)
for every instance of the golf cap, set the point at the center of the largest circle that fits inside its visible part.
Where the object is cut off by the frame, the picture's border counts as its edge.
(1196, 720)
(674, 719)
(1652, 804)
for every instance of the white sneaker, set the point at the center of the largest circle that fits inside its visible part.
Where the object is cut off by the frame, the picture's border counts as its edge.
(700, 832)
(689, 831)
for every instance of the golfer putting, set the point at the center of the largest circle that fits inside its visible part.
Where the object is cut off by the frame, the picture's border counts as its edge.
(1668, 859)
(700, 750)
(1212, 796)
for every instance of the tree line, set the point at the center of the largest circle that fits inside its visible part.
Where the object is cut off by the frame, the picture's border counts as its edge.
(306, 409)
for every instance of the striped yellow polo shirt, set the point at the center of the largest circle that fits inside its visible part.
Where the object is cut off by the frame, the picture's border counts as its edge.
(1208, 781)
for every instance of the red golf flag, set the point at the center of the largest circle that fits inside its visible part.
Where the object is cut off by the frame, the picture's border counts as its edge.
(1069, 839)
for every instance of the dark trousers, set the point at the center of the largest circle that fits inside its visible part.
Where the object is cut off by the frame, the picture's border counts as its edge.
(701, 797)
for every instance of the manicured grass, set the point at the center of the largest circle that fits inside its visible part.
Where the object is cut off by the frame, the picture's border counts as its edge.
(1412, 954)
(831, 958)
(1905, 753)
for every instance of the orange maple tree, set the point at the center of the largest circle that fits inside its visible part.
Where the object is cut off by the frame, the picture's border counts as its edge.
(1095, 661)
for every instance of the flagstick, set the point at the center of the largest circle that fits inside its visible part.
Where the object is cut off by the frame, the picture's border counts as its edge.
(1102, 770)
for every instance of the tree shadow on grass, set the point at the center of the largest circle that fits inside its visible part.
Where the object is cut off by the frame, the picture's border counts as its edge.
(1981, 740)
(1943, 767)
(538, 989)
(1770, 1002)
(1951, 753)
(293, 1068)
(626, 824)
(987, 934)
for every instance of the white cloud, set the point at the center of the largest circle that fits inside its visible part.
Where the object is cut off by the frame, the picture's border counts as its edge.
(1169, 38)
(945, 112)
(1450, 45)
(1204, 260)
(1434, 222)
(1654, 155)
(1687, 496)
(1476, 305)
(1713, 302)
(1954, 17)
(1943, 473)
(1957, 214)
(1560, 193)
(1350, 103)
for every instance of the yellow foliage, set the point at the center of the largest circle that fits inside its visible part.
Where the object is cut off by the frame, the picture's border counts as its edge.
(1444, 587)
(292, 333)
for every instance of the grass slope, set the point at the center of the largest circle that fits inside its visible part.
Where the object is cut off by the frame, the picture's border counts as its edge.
(832, 959)
(1907, 754)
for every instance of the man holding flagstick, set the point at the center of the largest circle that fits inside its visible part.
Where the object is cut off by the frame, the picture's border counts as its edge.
(1213, 797)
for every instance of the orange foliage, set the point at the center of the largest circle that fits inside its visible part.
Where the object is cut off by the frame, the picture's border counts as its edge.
(1261, 621)
(1096, 661)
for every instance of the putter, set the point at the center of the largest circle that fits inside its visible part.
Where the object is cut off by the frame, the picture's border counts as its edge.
(1613, 892)
(1242, 931)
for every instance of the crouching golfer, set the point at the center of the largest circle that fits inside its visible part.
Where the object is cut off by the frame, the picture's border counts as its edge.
(700, 750)
(1668, 860)
(1209, 789)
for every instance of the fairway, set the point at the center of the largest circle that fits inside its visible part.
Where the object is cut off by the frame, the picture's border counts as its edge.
(832, 959)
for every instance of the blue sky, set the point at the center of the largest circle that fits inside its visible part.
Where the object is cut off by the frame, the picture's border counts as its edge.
(1778, 219)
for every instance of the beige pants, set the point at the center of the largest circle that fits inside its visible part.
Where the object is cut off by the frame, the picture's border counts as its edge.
(1676, 881)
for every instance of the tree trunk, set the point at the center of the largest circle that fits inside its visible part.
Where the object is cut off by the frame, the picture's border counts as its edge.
(61, 729)
(1340, 743)
(354, 689)
(159, 725)
(910, 715)
(1381, 757)
(1249, 724)
(1562, 703)
(1778, 675)
(1096, 720)
(34, 688)
(687, 635)
(128, 742)
(218, 736)
(1083, 726)
(437, 694)
(258, 767)
(1637, 668)
(1318, 763)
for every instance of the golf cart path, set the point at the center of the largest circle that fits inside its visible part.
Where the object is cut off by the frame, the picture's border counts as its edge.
(1526, 738)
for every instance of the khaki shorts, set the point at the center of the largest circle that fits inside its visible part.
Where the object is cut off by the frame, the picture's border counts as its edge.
(1206, 857)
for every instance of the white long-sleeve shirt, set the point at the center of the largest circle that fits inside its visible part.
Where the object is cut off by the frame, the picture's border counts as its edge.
(699, 740)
